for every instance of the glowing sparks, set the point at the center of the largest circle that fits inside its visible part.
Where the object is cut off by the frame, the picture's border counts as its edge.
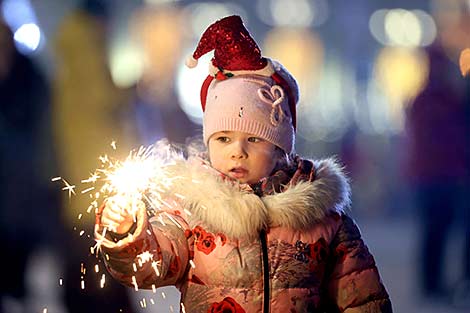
(56, 178)
(155, 267)
(102, 281)
(183, 309)
(44, 310)
(113, 144)
(68, 187)
(61, 282)
(145, 256)
(82, 284)
(191, 262)
(97, 268)
(154, 289)
(87, 190)
(134, 282)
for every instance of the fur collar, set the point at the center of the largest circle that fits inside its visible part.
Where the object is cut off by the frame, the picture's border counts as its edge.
(223, 206)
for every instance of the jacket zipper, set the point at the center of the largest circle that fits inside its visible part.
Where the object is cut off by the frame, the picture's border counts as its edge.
(264, 248)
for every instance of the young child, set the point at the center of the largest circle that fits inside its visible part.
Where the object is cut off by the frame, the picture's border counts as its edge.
(254, 229)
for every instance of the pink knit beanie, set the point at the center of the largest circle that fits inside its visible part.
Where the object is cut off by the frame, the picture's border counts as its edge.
(245, 91)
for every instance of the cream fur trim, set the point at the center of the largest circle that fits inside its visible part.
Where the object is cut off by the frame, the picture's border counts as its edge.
(225, 207)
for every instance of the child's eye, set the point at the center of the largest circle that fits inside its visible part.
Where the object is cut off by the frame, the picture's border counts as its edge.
(223, 139)
(255, 139)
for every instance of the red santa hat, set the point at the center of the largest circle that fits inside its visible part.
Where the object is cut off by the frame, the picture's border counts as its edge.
(236, 54)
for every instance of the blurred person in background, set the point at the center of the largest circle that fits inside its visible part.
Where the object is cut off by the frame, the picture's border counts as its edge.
(438, 128)
(159, 31)
(28, 205)
(89, 114)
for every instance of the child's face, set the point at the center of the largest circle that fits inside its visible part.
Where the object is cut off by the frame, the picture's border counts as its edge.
(242, 156)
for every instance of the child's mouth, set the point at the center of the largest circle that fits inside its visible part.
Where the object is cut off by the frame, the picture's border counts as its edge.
(238, 172)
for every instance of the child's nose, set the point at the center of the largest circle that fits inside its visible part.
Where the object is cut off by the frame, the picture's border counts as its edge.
(238, 151)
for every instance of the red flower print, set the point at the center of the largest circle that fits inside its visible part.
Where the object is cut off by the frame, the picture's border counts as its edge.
(319, 250)
(206, 244)
(188, 233)
(341, 252)
(174, 267)
(227, 305)
(223, 238)
(204, 240)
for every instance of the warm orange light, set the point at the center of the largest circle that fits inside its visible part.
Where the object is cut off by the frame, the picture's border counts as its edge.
(465, 62)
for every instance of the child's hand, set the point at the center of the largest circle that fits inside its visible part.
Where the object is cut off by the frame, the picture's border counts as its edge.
(117, 216)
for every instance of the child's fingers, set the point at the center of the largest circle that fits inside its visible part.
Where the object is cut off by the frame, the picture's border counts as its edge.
(109, 223)
(115, 215)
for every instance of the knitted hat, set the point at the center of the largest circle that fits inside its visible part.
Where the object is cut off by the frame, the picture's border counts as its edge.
(245, 91)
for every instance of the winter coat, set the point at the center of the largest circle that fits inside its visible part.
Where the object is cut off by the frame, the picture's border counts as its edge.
(235, 248)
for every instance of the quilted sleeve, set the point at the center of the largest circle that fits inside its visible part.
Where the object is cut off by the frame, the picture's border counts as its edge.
(354, 284)
(156, 254)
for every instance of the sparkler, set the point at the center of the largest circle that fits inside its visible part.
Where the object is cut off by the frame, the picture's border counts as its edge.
(142, 177)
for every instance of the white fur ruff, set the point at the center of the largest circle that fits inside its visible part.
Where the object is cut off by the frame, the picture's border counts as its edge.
(227, 207)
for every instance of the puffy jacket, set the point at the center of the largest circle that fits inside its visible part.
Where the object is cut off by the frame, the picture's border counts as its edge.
(232, 248)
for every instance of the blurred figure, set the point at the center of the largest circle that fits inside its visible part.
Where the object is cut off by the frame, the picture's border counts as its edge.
(88, 115)
(28, 208)
(159, 31)
(438, 125)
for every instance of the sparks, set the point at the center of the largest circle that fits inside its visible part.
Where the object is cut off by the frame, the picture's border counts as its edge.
(60, 281)
(68, 187)
(56, 178)
(134, 282)
(191, 262)
(113, 144)
(102, 281)
(145, 256)
(87, 190)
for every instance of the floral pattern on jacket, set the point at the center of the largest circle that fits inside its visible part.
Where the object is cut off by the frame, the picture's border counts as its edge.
(317, 259)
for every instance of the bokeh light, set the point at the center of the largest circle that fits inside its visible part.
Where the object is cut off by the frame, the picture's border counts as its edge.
(202, 14)
(20, 17)
(27, 37)
(399, 27)
(188, 86)
(401, 73)
(126, 63)
(303, 13)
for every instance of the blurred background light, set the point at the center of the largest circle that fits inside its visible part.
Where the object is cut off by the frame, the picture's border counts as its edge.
(203, 14)
(157, 2)
(402, 28)
(188, 86)
(126, 63)
(303, 13)
(400, 73)
(398, 27)
(27, 37)
(428, 27)
(159, 33)
(20, 17)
